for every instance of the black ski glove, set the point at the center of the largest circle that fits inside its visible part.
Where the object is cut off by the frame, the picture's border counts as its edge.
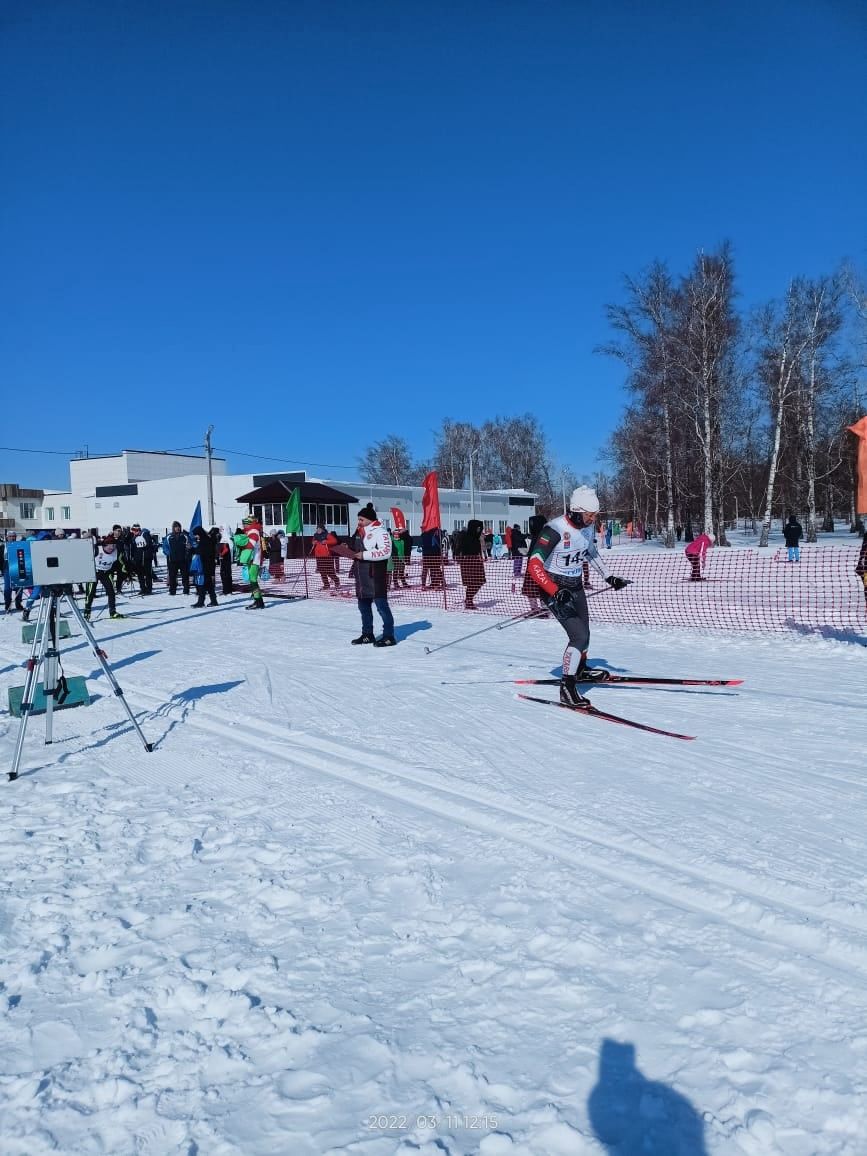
(562, 600)
(617, 583)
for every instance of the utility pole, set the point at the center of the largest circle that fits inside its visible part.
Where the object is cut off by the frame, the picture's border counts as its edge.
(210, 476)
(473, 484)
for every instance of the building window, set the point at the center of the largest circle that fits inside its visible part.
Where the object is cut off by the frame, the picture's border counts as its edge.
(49, 513)
(330, 515)
(65, 513)
(459, 524)
(336, 515)
(273, 514)
(502, 525)
(97, 505)
(28, 509)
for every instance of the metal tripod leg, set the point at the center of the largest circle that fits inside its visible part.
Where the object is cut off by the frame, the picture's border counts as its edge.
(37, 653)
(109, 673)
(50, 666)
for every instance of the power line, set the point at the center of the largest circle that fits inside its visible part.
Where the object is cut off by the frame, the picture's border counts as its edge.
(21, 450)
(74, 454)
(284, 461)
(77, 455)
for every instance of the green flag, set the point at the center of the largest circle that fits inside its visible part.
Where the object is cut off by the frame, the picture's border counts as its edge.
(293, 513)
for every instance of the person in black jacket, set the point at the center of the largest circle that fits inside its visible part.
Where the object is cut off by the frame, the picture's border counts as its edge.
(529, 588)
(177, 548)
(472, 562)
(140, 548)
(517, 552)
(793, 533)
(124, 543)
(215, 534)
(224, 558)
(432, 559)
(202, 567)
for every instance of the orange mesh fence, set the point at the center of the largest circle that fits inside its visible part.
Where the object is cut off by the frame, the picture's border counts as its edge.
(741, 589)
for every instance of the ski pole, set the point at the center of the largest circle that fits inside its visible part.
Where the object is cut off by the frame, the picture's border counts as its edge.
(494, 626)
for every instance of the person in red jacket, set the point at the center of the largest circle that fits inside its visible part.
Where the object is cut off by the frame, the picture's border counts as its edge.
(321, 551)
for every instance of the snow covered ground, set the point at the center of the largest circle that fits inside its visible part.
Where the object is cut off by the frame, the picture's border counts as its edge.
(366, 901)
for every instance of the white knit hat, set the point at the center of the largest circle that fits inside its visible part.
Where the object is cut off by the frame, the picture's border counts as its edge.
(585, 500)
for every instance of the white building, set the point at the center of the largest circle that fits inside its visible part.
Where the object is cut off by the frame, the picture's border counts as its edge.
(20, 508)
(146, 486)
(156, 488)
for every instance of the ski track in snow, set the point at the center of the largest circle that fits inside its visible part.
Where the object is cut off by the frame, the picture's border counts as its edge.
(339, 889)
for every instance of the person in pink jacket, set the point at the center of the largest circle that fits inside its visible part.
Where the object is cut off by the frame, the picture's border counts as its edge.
(696, 553)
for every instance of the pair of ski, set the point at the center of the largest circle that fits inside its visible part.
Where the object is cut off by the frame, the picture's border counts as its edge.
(621, 680)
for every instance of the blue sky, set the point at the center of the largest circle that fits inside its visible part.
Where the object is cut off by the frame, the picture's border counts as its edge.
(313, 224)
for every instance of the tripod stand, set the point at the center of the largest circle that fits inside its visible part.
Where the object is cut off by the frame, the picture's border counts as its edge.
(45, 654)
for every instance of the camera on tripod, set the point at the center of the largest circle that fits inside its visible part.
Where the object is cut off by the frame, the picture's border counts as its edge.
(52, 562)
(55, 565)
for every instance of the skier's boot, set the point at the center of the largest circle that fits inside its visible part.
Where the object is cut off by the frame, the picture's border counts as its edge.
(113, 615)
(362, 639)
(590, 673)
(569, 695)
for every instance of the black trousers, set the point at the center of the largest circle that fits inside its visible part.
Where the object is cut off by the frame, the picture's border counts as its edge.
(182, 568)
(226, 573)
(142, 571)
(574, 618)
(206, 590)
(103, 579)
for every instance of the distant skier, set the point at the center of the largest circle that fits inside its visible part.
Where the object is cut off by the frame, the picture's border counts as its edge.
(106, 561)
(556, 566)
(696, 553)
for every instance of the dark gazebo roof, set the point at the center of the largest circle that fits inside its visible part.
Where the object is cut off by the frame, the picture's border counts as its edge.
(312, 492)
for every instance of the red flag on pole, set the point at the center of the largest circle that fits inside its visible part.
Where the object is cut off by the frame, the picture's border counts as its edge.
(860, 431)
(398, 519)
(430, 503)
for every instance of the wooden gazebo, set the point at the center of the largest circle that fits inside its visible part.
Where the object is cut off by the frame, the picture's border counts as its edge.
(319, 503)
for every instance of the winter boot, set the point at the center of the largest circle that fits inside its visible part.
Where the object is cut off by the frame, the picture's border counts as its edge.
(363, 639)
(114, 614)
(569, 695)
(258, 604)
(385, 641)
(25, 615)
(587, 673)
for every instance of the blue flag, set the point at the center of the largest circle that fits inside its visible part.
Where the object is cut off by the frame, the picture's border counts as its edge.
(197, 519)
